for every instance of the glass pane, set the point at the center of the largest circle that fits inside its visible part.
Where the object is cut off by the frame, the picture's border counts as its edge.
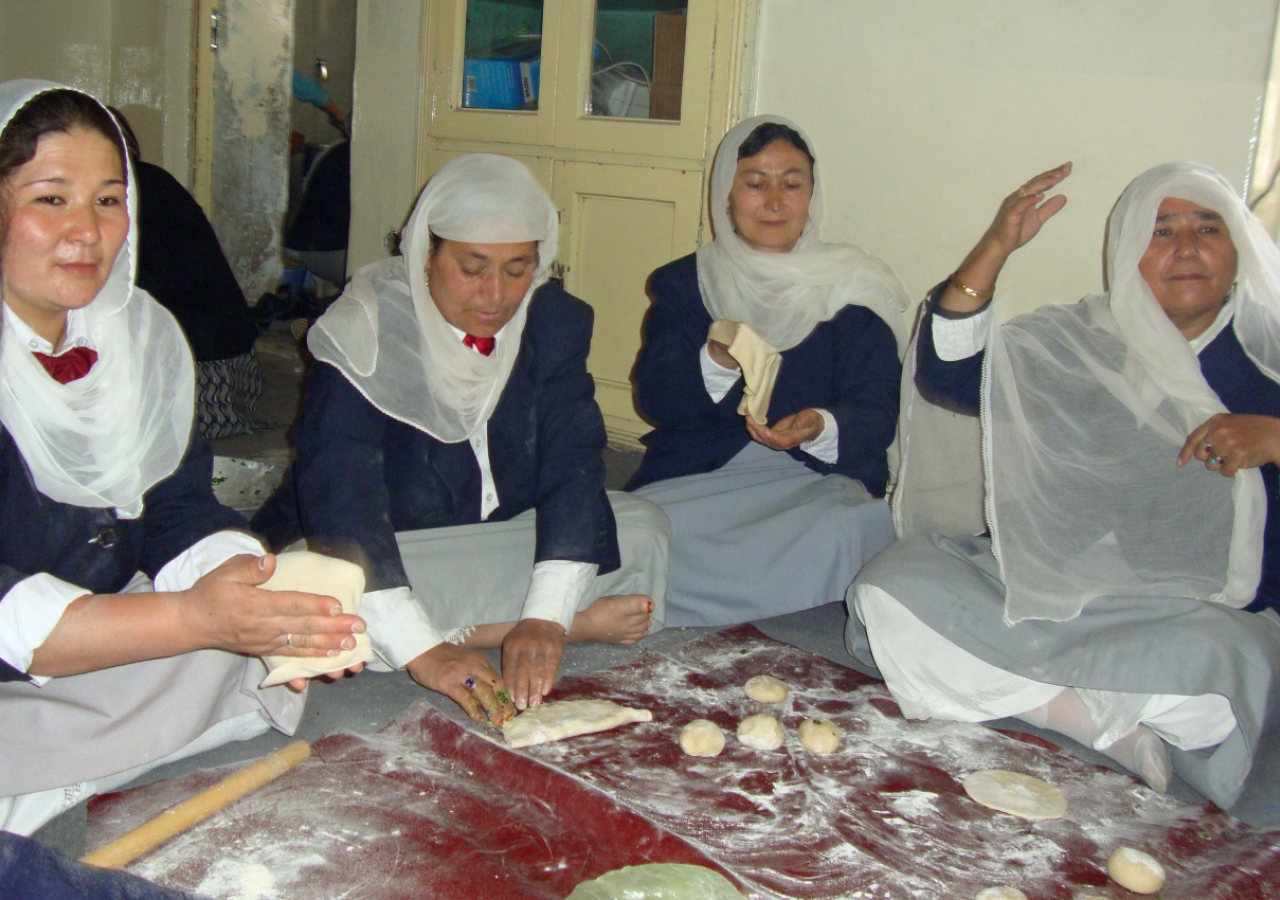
(638, 59)
(503, 54)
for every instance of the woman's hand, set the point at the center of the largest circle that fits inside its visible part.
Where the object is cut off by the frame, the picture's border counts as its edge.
(531, 654)
(466, 677)
(788, 432)
(1019, 219)
(1228, 442)
(226, 610)
(719, 353)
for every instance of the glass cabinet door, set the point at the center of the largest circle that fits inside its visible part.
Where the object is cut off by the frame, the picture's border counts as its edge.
(636, 77)
(637, 59)
(493, 69)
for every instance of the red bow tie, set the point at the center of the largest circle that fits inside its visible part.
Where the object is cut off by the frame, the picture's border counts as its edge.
(70, 366)
(483, 346)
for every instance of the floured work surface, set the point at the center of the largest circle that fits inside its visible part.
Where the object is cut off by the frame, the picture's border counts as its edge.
(426, 809)
(885, 815)
(422, 810)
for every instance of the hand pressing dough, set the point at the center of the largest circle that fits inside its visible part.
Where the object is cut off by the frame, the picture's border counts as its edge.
(1000, 893)
(568, 718)
(819, 735)
(1136, 871)
(1016, 794)
(702, 737)
(313, 573)
(761, 732)
(766, 689)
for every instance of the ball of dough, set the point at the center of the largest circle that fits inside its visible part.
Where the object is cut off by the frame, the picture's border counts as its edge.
(702, 737)
(1000, 893)
(1136, 871)
(766, 689)
(819, 735)
(761, 732)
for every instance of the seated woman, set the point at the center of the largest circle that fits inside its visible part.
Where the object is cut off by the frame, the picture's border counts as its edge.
(1125, 596)
(451, 443)
(769, 518)
(130, 617)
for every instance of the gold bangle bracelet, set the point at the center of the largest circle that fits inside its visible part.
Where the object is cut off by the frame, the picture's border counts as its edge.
(963, 288)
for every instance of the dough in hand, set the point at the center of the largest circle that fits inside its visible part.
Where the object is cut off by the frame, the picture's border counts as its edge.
(761, 732)
(702, 737)
(314, 573)
(1016, 794)
(766, 689)
(568, 718)
(1000, 893)
(1135, 870)
(819, 735)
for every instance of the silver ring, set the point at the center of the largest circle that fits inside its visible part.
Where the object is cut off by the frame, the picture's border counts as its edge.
(288, 641)
(1215, 460)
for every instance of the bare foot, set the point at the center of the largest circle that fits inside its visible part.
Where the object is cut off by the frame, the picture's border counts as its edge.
(619, 619)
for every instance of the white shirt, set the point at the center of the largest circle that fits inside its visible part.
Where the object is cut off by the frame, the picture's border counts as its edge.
(719, 380)
(401, 630)
(75, 335)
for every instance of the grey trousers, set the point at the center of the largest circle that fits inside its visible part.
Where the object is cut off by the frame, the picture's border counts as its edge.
(479, 574)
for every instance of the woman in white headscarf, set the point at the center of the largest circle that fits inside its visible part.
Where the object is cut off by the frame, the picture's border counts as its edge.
(130, 620)
(450, 442)
(1126, 593)
(770, 369)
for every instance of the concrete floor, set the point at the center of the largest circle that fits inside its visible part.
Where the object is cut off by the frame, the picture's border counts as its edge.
(367, 702)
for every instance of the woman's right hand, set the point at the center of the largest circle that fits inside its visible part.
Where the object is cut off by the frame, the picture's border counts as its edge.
(719, 353)
(226, 610)
(468, 678)
(1019, 219)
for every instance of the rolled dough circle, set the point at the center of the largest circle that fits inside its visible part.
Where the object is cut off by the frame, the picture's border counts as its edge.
(766, 689)
(819, 735)
(761, 732)
(1017, 794)
(1002, 892)
(702, 737)
(1135, 870)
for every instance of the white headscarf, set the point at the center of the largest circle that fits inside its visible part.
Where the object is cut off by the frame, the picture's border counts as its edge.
(385, 333)
(104, 439)
(784, 296)
(1085, 408)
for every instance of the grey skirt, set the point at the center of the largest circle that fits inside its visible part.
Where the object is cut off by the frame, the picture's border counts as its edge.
(764, 535)
(1138, 645)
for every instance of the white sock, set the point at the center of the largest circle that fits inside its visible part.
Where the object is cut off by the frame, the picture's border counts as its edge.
(1140, 751)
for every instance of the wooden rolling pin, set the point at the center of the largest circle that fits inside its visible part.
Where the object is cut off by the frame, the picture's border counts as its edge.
(128, 847)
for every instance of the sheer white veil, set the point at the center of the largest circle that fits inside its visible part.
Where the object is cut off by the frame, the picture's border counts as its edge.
(784, 296)
(385, 333)
(105, 439)
(1085, 410)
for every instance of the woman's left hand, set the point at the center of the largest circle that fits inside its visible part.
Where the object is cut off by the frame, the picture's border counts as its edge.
(788, 432)
(1228, 442)
(298, 685)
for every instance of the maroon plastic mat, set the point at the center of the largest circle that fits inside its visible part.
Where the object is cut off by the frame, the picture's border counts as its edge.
(428, 809)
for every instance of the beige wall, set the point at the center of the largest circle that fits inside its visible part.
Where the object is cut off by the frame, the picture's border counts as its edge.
(925, 113)
(384, 143)
(135, 54)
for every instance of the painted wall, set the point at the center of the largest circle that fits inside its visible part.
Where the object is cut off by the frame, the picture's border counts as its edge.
(384, 143)
(135, 54)
(926, 113)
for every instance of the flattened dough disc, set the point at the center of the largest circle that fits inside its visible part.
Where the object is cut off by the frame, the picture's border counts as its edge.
(568, 718)
(1017, 794)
